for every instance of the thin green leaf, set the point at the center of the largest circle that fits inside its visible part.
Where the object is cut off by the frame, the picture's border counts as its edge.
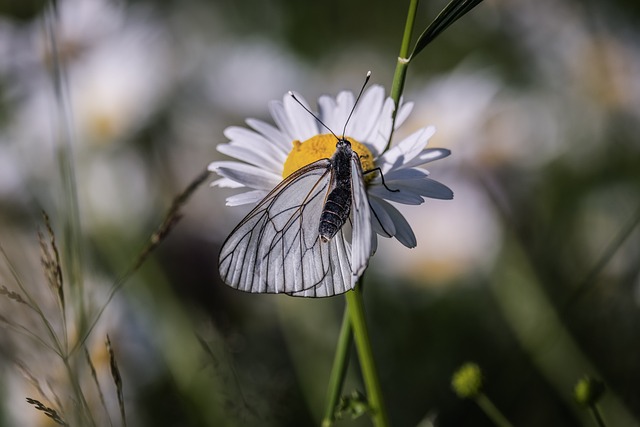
(455, 10)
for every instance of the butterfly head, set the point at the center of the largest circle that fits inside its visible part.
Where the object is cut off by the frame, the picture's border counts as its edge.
(343, 142)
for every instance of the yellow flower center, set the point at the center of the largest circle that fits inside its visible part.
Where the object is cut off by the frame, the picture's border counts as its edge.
(322, 147)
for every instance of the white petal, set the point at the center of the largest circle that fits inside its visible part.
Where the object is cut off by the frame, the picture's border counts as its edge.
(406, 150)
(411, 183)
(265, 150)
(271, 133)
(327, 106)
(404, 195)
(252, 148)
(380, 219)
(399, 175)
(344, 102)
(380, 134)
(246, 198)
(249, 156)
(431, 188)
(366, 113)
(303, 124)
(249, 176)
(225, 183)
(428, 155)
(374, 243)
(403, 113)
(250, 138)
(237, 134)
(276, 108)
(403, 233)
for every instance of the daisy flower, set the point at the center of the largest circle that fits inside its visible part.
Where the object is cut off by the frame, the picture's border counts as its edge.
(267, 154)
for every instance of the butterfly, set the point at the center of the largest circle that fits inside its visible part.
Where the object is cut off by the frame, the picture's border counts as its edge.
(296, 240)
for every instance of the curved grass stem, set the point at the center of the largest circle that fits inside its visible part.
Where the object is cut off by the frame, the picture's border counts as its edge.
(597, 416)
(492, 411)
(355, 307)
(338, 370)
(354, 328)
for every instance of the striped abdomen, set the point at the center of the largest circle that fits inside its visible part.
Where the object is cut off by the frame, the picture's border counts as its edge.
(335, 212)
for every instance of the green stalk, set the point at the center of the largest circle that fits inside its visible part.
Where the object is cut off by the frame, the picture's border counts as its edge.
(597, 416)
(355, 308)
(492, 411)
(64, 150)
(621, 237)
(69, 213)
(84, 415)
(402, 65)
(338, 370)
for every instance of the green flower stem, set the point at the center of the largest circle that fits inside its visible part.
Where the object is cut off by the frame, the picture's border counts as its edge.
(355, 308)
(492, 411)
(597, 415)
(402, 65)
(408, 28)
(338, 370)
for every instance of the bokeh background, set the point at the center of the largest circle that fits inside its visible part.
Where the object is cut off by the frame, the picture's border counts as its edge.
(532, 271)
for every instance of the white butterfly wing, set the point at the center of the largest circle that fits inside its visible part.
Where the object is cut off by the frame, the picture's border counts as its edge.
(277, 248)
(361, 237)
(335, 263)
(360, 250)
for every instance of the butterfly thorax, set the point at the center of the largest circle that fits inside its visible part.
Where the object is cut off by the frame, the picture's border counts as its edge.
(338, 203)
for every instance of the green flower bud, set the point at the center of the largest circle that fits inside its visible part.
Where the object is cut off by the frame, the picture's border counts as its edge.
(588, 391)
(467, 381)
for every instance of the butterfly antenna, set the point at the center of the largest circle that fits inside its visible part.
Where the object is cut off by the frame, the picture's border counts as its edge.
(366, 80)
(344, 131)
(311, 112)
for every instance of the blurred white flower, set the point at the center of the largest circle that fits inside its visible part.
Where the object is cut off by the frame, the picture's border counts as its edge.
(120, 82)
(265, 70)
(584, 72)
(459, 104)
(460, 237)
(118, 73)
(116, 192)
(10, 175)
(117, 66)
